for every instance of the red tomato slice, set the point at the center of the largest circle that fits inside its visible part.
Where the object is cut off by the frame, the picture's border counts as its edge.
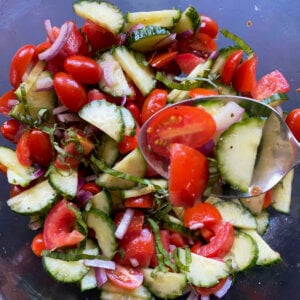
(4, 102)
(22, 149)
(20, 63)
(202, 92)
(188, 61)
(127, 278)
(143, 201)
(244, 77)
(230, 66)
(201, 213)
(293, 122)
(220, 244)
(9, 129)
(138, 247)
(205, 44)
(177, 239)
(188, 125)
(59, 227)
(209, 26)
(38, 245)
(270, 84)
(162, 59)
(155, 101)
(188, 175)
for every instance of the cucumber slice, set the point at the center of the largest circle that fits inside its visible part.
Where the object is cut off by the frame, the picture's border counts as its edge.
(16, 172)
(64, 182)
(236, 214)
(102, 13)
(108, 150)
(88, 281)
(176, 225)
(146, 39)
(140, 74)
(167, 285)
(266, 255)
(282, 193)
(129, 121)
(163, 18)
(117, 84)
(35, 200)
(203, 271)
(236, 152)
(104, 229)
(262, 221)
(65, 271)
(275, 99)
(133, 164)
(109, 291)
(106, 116)
(102, 201)
(243, 253)
(189, 20)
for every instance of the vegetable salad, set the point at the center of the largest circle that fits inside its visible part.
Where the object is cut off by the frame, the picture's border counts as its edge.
(104, 219)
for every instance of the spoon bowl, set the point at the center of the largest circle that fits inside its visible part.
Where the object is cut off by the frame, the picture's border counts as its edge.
(278, 152)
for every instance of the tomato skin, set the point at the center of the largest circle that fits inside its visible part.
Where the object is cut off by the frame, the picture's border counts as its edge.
(127, 278)
(244, 77)
(83, 69)
(133, 108)
(94, 94)
(71, 160)
(162, 59)
(139, 246)
(40, 147)
(267, 199)
(91, 187)
(20, 63)
(202, 92)
(156, 100)
(209, 26)
(70, 92)
(270, 84)
(38, 245)
(143, 201)
(9, 129)
(98, 37)
(220, 244)
(204, 44)
(187, 125)
(165, 240)
(230, 66)
(59, 227)
(203, 213)
(4, 102)
(129, 142)
(186, 185)
(293, 122)
(22, 149)
(188, 61)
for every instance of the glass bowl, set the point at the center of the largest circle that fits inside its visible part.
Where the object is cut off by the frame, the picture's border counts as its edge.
(271, 29)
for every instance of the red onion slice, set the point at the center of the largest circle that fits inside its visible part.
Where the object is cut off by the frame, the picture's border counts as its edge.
(101, 276)
(49, 31)
(224, 289)
(108, 69)
(55, 48)
(166, 41)
(44, 84)
(59, 109)
(100, 263)
(124, 224)
(68, 117)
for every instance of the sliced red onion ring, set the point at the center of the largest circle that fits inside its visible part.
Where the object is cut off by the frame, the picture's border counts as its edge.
(185, 34)
(59, 109)
(204, 297)
(68, 117)
(108, 72)
(224, 289)
(49, 31)
(207, 148)
(230, 113)
(166, 41)
(100, 263)
(124, 224)
(55, 48)
(38, 173)
(101, 276)
(135, 27)
(123, 100)
(192, 295)
(196, 226)
(44, 84)
(83, 197)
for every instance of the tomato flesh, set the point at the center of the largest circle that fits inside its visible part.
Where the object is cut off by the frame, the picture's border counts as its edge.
(293, 122)
(230, 66)
(59, 227)
(188, 61)
(187, 184)
(127, 278)
(188, 125)
(9, 129)
(38, 244)
(220, 244)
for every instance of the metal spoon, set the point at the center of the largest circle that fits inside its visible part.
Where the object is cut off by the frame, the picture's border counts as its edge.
(278, 152)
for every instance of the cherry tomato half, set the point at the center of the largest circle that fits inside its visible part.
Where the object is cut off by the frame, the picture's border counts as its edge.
(209, 26)
(83, 69)
(125, 277)
(186, 185)
(9, 129)
(38, 245)
(293, 122)
(162, 59)
(5, 107)
(188, 125)
(69, 92)
(59, 226)
(230, 66)
(20, 63)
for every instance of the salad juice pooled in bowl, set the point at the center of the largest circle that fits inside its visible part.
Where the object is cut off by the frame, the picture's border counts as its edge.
(103, 218)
